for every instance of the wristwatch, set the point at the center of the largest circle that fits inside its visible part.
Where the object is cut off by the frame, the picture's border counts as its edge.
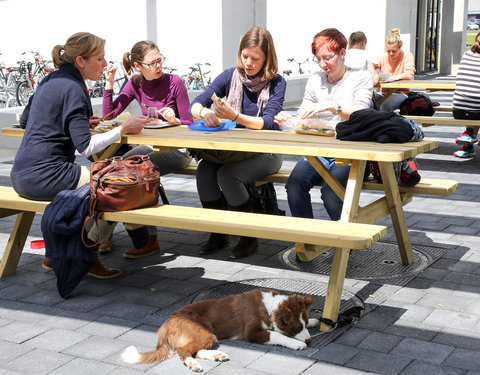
(339, 109)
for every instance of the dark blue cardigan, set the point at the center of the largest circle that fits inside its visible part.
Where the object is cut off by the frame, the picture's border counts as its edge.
(57, 125)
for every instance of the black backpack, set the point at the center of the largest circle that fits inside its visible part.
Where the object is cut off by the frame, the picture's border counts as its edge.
(417, 104)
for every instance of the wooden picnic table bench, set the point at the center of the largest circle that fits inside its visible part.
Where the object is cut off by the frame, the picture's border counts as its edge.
(442, 120)
(390, 200)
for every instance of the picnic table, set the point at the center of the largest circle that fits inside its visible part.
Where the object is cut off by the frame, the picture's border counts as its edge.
(391, 199)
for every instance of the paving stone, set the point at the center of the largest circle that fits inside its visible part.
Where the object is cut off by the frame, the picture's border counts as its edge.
(335, 353)
(19, 332)
(83, 303)
(56, 340)
(422, 350)
(80, 366)
(422, 368)
(70, 320)
(464, 358)
(39, 362)
(353, 336)
(281, 363)
(459, 338)
(331, 368)
(142, 335)
(241, 353)
(229, 368)
(379, 363)
(445, 318)
(107, 326)
(125, 310)
(11, 350)
(380, 342)
(95, 348)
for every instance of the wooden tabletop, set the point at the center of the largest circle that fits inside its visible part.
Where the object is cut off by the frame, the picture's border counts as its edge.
(271, 141)
(426, 84)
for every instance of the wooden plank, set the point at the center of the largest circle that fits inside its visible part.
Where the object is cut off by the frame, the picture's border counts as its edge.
(442, 120)
(15, 243)
(283, 228)
(425, 84)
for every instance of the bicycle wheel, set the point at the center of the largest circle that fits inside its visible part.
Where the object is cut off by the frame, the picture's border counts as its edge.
(23, 92)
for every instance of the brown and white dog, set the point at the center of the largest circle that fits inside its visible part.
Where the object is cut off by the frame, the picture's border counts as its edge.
(260, 316)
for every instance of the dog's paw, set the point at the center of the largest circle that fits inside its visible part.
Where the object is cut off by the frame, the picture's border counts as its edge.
(193, 365)
(212, 355)
(312, 322)
(131, 355)
(298, 345)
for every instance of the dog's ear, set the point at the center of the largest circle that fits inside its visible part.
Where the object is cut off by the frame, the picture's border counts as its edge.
(308, 300)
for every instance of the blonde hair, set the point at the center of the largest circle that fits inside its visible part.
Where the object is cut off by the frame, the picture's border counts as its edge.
(394, 38)
(258, 36)
(79, 44)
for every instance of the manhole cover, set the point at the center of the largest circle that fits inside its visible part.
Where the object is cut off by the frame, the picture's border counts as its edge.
(380, 261)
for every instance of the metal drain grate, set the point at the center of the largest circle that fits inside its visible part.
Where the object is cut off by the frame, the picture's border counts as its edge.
(379, 262)
(288, 286)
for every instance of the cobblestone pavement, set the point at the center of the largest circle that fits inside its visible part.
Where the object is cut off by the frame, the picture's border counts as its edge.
(427, 324)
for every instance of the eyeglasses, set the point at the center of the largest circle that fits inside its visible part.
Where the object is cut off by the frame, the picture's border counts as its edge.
(155, 63)
(327, 59)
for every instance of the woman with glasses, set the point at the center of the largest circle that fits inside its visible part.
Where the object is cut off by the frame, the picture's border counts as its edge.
(332, 94)
(254, 94)
(150, 87)
(399, 63)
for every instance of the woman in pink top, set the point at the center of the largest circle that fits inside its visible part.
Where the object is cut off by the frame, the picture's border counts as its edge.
(399, 63)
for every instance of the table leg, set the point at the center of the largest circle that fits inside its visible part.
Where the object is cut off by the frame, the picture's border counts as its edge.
(336, 280)
(15, 243)
(395, 207)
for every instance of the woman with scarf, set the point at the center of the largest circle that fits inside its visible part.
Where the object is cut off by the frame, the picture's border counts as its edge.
(399, 63)
(254, 93)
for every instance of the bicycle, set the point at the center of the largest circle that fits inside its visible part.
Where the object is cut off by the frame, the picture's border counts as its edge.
(118, 84)
(196, 79)
(300, 70)
(29, 77)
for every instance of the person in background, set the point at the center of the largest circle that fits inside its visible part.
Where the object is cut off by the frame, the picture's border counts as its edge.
(254, 93)
(151, 87)
(58, 123)
(466, 99)
(356, 56)
(333, 93)
(399, 63)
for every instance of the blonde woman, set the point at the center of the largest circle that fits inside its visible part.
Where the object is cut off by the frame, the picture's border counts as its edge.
(58, 124)
(399, 63)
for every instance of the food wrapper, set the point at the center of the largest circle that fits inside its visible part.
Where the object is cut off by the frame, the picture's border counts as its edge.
(124, 116)
(216, 99)
(314, 126)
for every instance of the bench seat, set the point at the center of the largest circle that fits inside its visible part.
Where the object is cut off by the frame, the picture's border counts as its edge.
(428, 186)
(442, 120)
(283, 228)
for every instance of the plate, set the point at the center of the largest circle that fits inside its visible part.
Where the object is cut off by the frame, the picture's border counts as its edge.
(159, 125)
(224, 125)
(107, 125)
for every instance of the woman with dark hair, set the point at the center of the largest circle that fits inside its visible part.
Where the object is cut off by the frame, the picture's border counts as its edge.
(466, 101)
(151, 87)
(333, 94)
(57, 125)
(254, 93)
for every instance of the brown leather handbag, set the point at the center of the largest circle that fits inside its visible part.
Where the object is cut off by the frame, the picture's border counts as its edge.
(118, 184)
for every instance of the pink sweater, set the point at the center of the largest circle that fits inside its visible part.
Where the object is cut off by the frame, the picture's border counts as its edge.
(404, 63)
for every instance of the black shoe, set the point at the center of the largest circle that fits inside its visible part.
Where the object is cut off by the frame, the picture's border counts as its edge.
(215, 242)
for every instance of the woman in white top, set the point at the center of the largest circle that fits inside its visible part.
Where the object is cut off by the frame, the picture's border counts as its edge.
(333, 94)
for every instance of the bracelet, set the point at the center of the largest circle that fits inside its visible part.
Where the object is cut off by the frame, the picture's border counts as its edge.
(200, 114)
(236, 116)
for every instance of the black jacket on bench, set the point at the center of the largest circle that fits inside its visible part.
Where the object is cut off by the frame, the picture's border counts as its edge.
(61, 227)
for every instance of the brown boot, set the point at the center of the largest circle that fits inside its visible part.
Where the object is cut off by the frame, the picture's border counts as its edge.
(46, 264)
(107, 246)
(216, 241)
(150, 248)
(246, 245)
(99, 271)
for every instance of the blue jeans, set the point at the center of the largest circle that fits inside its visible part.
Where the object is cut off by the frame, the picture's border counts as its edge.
(301, 181)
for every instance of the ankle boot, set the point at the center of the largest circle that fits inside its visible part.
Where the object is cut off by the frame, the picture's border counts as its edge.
(216, 241)
(99, 271)
(150, 248)
(46, 264)
(246, 245)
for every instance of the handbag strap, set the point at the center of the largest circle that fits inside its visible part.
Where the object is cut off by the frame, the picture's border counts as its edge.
(95, 215)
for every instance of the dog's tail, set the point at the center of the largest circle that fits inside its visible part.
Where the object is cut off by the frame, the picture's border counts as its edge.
(132, 355)
(163, 351)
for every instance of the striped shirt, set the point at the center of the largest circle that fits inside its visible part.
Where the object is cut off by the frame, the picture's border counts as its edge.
(467, 92)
